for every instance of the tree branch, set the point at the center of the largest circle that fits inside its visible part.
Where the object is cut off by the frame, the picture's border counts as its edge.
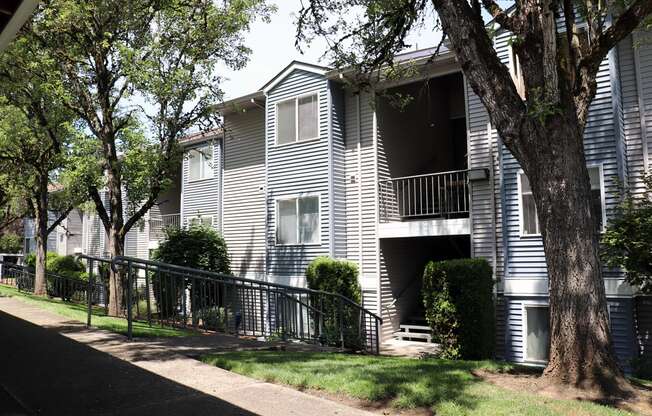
(58, 221)
(588, 67)
(99, 206)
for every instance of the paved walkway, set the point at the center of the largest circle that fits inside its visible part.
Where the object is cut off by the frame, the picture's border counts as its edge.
(50, 366)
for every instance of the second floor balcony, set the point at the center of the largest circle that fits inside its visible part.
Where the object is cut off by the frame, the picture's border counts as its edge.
(158, 225)
(431, 204)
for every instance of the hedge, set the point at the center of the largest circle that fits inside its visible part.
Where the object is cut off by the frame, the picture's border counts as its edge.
(459, 302)
(341, 277)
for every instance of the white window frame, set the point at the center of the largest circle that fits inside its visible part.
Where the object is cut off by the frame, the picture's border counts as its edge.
(296, 198)
(603, 201)
(296, 99)
(200, 218)
(525, 306)
(212, 163)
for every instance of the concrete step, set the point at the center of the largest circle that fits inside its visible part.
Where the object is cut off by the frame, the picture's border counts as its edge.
(409, 332)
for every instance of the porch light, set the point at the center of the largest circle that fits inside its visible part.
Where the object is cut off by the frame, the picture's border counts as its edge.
(480, 174)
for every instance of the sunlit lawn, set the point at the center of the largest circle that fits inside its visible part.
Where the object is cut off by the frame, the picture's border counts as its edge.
(447, 387)
(99, 319)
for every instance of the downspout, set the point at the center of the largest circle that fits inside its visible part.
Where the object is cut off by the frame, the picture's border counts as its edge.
(641, 102)
(359, 177)
(494, 245)
(266, 193)
(331, 173)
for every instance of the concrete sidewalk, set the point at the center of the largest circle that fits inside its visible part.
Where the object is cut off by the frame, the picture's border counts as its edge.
(50, 365)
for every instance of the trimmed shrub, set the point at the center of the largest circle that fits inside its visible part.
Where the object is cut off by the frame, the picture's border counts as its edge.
(459, 302)
(341, 277)
(68, 267)
(11, 243)
(197, 247)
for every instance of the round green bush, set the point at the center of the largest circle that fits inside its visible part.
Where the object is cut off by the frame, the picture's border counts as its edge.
(197, 247)
(70, 268)
(459, 303)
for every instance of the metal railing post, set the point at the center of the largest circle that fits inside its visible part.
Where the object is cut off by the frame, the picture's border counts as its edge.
(129, 319)
(89, 292)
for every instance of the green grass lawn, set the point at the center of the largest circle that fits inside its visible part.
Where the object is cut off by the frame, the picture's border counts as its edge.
(79, 312)
(447, 387)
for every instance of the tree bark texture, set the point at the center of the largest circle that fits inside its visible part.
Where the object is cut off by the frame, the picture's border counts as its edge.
(545, 134)
(40, 204)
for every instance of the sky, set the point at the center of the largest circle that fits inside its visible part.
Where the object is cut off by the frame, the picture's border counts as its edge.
(272, 46)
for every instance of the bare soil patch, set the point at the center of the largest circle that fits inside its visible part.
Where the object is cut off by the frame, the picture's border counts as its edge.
(531, 382)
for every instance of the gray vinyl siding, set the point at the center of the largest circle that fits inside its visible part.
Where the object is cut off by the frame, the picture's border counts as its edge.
(338, 171)
(294, 169)
(244, 192)
(632, 132)
(75, 229)
(201, 197)
(644, 50)
(525, 256)
(644, 326)
(621, 322)
(360, 166)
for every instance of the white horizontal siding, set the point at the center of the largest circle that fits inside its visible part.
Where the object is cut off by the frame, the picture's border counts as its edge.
(201, 197)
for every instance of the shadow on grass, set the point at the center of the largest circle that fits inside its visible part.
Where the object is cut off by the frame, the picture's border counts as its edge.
(399, 382)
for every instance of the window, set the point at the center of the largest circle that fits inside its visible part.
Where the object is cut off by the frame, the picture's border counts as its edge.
(297, 119)
(201, 221)
(200, 163)
(537, 333)
(297, 221)
(529, 219)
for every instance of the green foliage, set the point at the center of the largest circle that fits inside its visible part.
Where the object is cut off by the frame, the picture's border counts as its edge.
(196, 247)
(458, 297)
(11, 243)
(627, 241)
(340, 277)
(71, 269)
(335, 276)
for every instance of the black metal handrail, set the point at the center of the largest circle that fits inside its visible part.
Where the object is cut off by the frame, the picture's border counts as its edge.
(66, 288)
(177, 295)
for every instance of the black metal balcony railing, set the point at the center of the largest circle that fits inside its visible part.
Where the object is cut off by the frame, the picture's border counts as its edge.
(443, 195)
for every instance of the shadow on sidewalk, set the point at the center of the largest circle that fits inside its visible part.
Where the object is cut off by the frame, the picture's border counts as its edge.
(49, 374)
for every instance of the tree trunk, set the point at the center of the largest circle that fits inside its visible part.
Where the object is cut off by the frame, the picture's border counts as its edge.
(41, 225)
(581, 352)
(40, 205)
(116, 248)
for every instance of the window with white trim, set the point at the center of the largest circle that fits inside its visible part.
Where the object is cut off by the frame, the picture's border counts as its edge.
(297, 119)
(200, 163)
(537, 333)
(297, 221)
(203, 221)
(529, 219)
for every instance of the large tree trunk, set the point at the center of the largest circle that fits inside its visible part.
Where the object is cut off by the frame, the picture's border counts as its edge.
(581, 352)
(40, 234)
(40, 207)
(116, 248)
